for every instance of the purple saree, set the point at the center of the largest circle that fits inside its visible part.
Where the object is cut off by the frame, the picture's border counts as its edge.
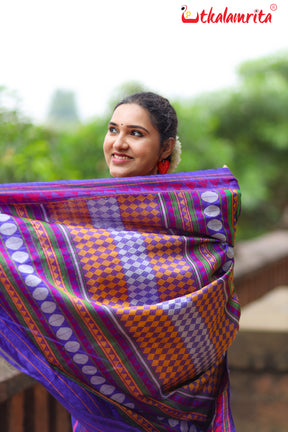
(117, 295)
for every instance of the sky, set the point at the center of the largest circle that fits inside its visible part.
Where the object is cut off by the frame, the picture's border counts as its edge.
(92, 47)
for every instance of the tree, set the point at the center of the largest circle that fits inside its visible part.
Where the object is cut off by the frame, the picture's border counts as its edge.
(28, 152)
(253, 119)
(63, 112)
(245, 128)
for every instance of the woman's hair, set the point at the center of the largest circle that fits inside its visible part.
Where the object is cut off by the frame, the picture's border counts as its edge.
(162, 114)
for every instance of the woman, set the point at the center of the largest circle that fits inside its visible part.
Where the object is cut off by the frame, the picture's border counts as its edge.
(141, 137)
(117, 294)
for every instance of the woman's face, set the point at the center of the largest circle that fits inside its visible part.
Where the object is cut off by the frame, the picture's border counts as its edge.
(132, 144)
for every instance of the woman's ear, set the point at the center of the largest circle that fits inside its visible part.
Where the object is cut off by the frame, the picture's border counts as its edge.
(167, 148)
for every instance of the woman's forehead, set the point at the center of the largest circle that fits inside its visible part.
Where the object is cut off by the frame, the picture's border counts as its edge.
(131, 114)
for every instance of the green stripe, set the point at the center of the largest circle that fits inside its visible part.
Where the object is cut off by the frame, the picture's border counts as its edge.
(193, 213)
(204, 262)
(55, 249)
(173, 200)
(216, 254)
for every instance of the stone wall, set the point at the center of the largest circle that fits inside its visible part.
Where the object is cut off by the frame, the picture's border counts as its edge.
(261, 265)
(258, 358)
(259, 381)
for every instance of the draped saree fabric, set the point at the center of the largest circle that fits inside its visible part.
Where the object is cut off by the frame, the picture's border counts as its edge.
(117, 295)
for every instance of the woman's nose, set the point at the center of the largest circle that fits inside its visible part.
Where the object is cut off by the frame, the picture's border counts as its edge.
(120, 142)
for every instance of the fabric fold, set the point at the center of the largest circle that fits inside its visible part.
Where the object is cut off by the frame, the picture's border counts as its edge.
(117, 295)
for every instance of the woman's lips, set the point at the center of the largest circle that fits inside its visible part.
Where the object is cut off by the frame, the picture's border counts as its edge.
(118, 158)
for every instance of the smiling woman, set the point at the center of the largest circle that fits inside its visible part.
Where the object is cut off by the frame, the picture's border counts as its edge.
(141, 136)
(117, 294)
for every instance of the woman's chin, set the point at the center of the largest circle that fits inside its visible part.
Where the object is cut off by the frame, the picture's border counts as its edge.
(118, 172)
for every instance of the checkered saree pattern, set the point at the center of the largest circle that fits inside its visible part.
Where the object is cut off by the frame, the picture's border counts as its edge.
(117, 295)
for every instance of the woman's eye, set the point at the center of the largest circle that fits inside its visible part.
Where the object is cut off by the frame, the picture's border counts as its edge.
(136, 133)
(112, 129)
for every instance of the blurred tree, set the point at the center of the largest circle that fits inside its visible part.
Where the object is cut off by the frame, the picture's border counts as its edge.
(82, 150)
(253, 120)
(245, 128)
(28, 152)
(63, 112)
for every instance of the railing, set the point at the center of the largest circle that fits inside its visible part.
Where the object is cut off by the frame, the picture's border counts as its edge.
(258, 358)
(25, 406)
(261, 265)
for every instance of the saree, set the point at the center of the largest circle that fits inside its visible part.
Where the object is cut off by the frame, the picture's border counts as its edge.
(117, 295)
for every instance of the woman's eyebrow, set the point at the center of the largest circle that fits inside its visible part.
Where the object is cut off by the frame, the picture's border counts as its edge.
(137, 127)
(129, 126)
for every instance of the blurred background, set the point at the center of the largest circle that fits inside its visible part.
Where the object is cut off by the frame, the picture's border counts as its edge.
(65, 64)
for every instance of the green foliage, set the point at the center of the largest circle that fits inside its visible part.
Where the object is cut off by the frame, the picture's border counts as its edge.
(201, 148)
(28, 152)
(254, 119)
(82, 150)
(245, 128)
(63, 112)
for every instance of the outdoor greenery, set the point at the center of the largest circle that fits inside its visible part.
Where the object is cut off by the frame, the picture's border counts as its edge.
(63, 110)
(245, 128)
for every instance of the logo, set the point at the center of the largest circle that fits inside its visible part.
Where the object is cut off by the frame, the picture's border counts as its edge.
(205, 17)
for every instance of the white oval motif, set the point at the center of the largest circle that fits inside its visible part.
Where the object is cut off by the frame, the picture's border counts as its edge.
(8, 228)
(64, 333)
(23, 268)
(56, 320)
(48, 307)
(173, 422)
(14, 243)
(4, 217)
(20, 257)
(129, 405)
(40, 293)
(184, 426)
(226, 266)
(32, 281)
(97, 380)
(230, 252)
(89, 370)
(209, 196)
(107, 389)
(219, 236)
(118, 397)
(80, 358)
(72, 346)
(212, 211)
(215, 225)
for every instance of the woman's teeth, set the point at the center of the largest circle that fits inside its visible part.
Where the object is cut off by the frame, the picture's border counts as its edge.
(120, 157)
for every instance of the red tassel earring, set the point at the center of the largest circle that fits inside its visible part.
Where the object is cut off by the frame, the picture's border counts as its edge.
(163, 166)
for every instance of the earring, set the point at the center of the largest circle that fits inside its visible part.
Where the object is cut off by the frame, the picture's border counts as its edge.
(163, 166)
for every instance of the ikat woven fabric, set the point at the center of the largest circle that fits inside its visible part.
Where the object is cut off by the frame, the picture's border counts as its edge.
(117, 295)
